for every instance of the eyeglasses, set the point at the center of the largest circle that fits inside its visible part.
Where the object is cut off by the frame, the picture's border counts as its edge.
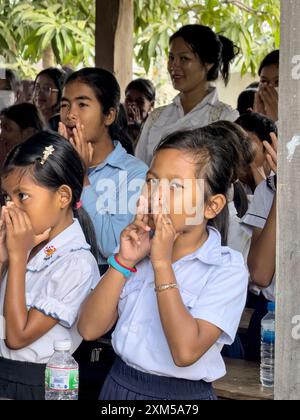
(46, 90)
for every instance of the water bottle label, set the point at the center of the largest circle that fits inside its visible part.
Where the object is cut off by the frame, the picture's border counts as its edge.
(268, 336)
(59, 379)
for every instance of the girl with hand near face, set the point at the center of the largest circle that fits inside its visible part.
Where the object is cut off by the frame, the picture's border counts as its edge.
(176, 293)
(46, 240)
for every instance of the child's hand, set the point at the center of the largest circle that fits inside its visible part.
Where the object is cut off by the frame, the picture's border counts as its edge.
(84, 148)
(3, 248)
(20, 237)
(62, 130)
(135, 239)
(163, 240)
(259, 106)
(271, 152)
(269, 97)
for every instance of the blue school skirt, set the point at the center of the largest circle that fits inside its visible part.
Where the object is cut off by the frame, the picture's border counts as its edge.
(125, 383)
(21, 380)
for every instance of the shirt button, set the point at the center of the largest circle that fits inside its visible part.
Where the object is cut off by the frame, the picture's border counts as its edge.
(134, 329)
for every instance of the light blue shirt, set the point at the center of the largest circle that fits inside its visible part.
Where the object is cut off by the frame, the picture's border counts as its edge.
(213, 284)
(111, 198)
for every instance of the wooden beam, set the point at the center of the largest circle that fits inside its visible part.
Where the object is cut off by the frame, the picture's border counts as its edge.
(287, 383)
(114, 38)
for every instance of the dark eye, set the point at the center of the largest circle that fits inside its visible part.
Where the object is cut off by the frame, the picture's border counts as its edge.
(23, 196)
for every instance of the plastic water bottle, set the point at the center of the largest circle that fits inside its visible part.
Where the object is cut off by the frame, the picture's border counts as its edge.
(268, 347)
(61, 378)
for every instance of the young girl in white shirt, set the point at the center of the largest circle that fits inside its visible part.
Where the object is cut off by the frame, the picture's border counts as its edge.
(178, 295)
(46, 261)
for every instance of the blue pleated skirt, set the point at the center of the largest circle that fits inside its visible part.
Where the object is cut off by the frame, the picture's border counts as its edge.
(125, 383)
(22, 380)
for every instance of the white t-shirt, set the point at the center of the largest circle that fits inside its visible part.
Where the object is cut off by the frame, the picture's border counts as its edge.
(256, 216)
(171, 118)
(58, 279)
(213, 285)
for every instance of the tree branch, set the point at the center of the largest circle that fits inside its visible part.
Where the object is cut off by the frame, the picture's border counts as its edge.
(242, 6)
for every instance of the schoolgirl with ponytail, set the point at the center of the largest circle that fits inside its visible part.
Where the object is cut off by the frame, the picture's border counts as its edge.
(197, 57)
(176, 292)
(47, 266)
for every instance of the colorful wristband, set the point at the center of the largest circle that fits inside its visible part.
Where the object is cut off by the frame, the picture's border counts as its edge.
(115, 263)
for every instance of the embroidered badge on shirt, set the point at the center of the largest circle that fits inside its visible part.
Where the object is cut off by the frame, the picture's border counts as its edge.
(49, 251)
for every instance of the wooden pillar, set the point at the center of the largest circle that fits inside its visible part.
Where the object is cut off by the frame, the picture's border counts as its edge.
(114, 38)
(287, 383)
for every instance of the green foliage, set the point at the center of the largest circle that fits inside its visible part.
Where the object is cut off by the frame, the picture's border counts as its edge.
(28, 28)
(253, 25)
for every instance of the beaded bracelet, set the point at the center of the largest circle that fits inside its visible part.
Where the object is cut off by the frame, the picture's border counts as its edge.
(163, 287)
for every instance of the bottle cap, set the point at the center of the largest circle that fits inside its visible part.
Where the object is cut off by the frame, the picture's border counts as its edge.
(62, 345)
(271, 307)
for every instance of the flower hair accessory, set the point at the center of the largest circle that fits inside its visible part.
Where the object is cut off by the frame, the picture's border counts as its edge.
(78, 205)
(47, 152)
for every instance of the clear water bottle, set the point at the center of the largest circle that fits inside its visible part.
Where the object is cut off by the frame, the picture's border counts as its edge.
(61, 377)
(268, 347)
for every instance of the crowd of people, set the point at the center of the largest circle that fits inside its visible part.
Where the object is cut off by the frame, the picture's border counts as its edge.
(138, 233)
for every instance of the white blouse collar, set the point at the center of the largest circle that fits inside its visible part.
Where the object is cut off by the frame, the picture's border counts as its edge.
(70, 240)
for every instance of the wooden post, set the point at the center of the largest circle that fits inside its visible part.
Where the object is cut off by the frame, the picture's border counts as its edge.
(287, 383)
(114, 38)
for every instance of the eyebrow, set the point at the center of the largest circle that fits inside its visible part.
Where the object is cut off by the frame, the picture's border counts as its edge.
(78, 98)
(171, 176)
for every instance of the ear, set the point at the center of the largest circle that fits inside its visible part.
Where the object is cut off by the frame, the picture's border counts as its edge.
(65, 196)
(110, 118)
(208, 66)
(214, 206)
(27, 133)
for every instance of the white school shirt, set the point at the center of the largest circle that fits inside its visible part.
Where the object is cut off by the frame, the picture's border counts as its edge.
(256, 216)
(57, 282)
(166, 120)
(213, 286)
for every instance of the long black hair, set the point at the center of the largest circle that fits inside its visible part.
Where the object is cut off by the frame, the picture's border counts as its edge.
(210, 48)
(217, 152)
(63, 167)
(58, 77)
(25, 115)
(108, 93)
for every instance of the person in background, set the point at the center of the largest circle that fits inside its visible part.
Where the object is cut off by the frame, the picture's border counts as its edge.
(197, 57)
(48, 87)
(258, 128)
(25, 91)
(245, 102)
(139, 103)
(266, 99)
(18, 123)
(260, 220)
(8, 88)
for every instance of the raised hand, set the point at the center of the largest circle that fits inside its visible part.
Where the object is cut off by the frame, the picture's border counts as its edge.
(3, 247)
(20, 237)
(135, 239)
(271, 152)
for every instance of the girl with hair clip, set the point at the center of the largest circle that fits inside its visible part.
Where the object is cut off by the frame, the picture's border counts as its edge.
(197, 56)
(46, 258)
(176, 292)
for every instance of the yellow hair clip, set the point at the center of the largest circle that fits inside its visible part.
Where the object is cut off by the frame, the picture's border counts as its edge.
(47, 152)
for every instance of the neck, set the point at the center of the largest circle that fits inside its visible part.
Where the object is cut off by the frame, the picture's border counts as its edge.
(194, 97)
(60, 227)
(188, 242)
(101, 150)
